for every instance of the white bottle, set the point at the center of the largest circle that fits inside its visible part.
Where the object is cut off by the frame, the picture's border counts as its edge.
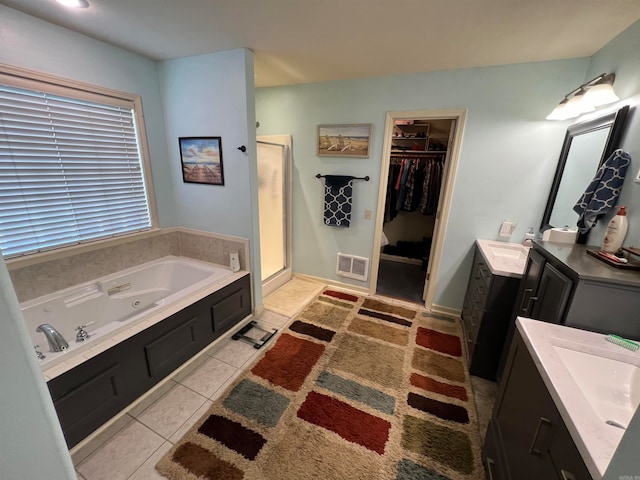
(616, 232)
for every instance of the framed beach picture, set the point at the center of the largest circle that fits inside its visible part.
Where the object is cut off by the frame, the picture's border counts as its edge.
(201, 159)
(344, 140)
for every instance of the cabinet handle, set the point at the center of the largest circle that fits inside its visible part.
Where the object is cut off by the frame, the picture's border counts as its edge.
(567, 475)
(490, 465)
(527, 291)
(532, 449)
(481, 290)
(530, 304)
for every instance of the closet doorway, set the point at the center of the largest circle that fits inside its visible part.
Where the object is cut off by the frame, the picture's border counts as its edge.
(420, 155)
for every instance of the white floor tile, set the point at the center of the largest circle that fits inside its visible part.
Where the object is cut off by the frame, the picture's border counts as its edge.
(148, 470)
(151, 398)
(273, 318)
(189, 369)
(190, 422)
(87, 448)
(218, 393)
(122, 455)
(167, 414)
(209, 377)
(236, 353)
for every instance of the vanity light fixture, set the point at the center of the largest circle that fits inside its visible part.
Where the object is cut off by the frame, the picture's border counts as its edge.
(585, 98)
(74, 3)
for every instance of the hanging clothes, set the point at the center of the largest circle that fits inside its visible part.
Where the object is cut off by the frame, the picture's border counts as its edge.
(413, 184)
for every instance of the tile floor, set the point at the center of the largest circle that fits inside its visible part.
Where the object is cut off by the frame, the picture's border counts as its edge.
(132, 445)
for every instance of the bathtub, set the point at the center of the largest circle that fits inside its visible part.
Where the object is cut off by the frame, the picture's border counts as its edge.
(117, 306)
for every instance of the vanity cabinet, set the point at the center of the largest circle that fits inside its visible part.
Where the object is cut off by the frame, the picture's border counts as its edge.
(526, 437)
(563, 284)
(90, 394)
(486, 313)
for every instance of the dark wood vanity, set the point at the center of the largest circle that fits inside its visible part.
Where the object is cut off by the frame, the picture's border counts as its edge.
(563, 284)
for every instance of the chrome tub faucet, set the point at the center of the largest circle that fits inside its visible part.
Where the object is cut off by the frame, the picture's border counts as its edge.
(57, 343)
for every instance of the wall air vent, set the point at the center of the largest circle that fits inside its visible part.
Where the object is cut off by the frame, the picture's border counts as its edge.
(352, 267)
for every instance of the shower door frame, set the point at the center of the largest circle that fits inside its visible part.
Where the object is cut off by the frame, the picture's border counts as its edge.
(279, 278)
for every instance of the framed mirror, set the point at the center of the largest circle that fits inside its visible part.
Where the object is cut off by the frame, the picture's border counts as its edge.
(586, 145)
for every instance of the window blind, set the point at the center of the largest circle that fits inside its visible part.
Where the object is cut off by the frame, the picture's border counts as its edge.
(70, 171)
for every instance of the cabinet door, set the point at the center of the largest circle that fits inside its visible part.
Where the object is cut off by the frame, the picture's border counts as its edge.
(524, 417)
(529, 285)
(492, 462)
(565, 456)
(552, 296)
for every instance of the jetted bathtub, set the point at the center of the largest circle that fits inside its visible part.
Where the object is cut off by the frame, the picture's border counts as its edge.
(117, 306)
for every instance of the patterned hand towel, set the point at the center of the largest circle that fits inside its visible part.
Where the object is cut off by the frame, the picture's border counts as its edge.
(603, 191)
(338, 191)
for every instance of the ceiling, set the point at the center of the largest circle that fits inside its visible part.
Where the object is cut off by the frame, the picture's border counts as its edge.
(304, 41)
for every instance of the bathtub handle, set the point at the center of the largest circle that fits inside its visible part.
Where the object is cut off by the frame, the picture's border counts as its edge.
(83, 335)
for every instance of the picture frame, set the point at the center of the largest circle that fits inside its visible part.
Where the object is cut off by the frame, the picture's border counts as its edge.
(344, 140)
(201, 160)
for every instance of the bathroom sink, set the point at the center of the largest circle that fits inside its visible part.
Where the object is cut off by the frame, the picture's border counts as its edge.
(504, 258)
(508, 250)
(611, 387)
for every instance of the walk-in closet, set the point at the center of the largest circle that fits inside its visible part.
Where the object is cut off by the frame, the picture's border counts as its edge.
(416, 168)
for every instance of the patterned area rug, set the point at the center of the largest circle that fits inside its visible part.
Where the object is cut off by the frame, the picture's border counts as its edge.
(354, 388)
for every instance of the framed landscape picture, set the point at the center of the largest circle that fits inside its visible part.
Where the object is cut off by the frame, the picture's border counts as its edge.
(344, 140)
(201, 159)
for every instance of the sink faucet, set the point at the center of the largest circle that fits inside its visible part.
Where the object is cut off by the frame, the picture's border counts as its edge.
(57, 343)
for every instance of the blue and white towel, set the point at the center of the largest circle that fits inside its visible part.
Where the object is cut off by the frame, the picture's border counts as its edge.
(338, 191)
(603, 191)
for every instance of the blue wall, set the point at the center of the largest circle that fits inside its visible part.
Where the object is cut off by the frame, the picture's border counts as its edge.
(508, 156)
(212, 95)
(622, 56)
(37, 45)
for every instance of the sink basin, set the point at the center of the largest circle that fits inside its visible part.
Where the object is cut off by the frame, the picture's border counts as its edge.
(505, 250)
(611, 387)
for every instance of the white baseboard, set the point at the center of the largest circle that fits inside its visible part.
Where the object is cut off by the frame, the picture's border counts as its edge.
(336, 284)
(448, 311)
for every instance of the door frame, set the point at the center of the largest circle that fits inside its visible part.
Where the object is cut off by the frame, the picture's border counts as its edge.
(444, 202)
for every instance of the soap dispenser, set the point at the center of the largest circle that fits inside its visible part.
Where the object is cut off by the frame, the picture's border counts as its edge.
(616, 232)
(528, 238)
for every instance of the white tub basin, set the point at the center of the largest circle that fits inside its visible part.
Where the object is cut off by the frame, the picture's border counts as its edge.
(611, 387)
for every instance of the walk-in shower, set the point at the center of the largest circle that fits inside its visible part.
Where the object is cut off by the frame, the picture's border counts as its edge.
(274, 187)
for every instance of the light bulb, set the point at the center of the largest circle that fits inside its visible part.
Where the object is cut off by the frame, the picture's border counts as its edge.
(600, 94)
(74, 3)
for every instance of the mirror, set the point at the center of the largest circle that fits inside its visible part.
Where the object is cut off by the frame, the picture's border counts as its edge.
(586, 145)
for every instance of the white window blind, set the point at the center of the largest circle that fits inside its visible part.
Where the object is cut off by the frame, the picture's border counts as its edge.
(70, 171)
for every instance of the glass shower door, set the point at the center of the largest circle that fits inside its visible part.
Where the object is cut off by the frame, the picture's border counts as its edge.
(272, 203)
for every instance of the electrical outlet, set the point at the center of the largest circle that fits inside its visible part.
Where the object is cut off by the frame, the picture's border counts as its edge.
(367, 214)
(507, 228)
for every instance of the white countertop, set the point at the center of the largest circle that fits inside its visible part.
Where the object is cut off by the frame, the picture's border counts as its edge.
(511, 264)
(596, 441)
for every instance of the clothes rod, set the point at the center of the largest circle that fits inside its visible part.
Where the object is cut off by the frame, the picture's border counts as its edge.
(366, 179)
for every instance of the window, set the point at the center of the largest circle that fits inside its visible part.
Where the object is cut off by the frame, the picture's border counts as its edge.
(71, 166)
